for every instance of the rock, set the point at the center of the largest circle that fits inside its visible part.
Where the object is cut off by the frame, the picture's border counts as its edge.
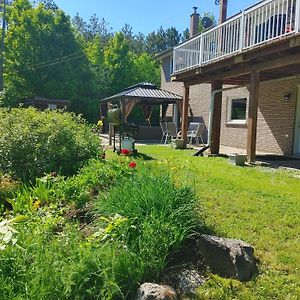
(152, 291)
(188, 281)
(184, 279)
(228, 257)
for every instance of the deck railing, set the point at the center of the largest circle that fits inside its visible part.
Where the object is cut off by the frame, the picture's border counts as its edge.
(260, 24)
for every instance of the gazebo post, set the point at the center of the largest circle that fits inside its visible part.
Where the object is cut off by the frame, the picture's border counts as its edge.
(122, 106)
(110, 127)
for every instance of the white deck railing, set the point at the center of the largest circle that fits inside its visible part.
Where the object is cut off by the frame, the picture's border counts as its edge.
(260, 24)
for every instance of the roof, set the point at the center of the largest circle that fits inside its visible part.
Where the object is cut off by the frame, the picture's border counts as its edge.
(147, 93)
(46, 100)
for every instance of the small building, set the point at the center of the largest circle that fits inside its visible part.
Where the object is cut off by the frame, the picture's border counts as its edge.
(43, 103)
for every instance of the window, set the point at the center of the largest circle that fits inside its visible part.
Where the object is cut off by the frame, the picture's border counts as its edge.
(237, 111)
(52, 106)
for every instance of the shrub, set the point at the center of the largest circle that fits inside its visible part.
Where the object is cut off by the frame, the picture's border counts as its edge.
(149, 218)
(33, 142)
(141, 221)
(95, 176)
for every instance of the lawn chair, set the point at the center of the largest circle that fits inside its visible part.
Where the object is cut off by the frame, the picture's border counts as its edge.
(195, 131)
(171, 132)
(163, 127)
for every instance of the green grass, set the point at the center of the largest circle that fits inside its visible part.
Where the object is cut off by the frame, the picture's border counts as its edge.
(258, 205)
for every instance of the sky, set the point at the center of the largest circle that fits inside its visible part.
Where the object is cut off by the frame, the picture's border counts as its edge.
(147, 15)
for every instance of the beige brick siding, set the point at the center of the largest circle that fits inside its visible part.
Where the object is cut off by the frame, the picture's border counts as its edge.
(276, 118)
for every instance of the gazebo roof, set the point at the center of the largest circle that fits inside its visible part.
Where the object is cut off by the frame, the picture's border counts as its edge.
(147, 93)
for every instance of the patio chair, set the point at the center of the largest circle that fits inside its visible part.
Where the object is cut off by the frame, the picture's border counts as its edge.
(163, 127)
(171, 132)
(195, 131)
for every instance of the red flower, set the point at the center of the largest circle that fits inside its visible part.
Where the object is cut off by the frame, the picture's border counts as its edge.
(125, 152)
(132, 165)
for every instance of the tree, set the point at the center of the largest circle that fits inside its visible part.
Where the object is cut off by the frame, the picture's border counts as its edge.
(146, 69)
(162, 40)
(43, 57)
(95, 28)
(118, 60)
(48, 4)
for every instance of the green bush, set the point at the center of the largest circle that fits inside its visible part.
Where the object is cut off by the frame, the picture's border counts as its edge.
(33, 143)
(138, 223)
(96, 176)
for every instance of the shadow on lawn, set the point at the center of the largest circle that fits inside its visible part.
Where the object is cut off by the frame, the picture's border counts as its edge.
(143, 156)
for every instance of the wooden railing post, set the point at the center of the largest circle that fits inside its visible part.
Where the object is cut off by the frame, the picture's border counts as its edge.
(252, 116)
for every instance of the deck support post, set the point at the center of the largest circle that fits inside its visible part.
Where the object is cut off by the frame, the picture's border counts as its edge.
(297, 16)
(216, 118)
(252, 116)
(185, 113)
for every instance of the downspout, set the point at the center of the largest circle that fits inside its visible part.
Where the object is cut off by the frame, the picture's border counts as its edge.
(211, 110)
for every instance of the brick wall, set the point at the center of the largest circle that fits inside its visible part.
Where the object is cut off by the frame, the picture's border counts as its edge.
(276, 118)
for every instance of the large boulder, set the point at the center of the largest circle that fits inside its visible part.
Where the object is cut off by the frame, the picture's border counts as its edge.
(152, 291)
(228, 257)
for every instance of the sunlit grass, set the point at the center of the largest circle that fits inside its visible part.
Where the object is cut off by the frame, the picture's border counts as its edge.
(258, 205)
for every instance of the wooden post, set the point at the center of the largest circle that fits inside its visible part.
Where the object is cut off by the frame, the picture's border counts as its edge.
(217, 85)
(185, 113)
(216, 118)
(252, 116)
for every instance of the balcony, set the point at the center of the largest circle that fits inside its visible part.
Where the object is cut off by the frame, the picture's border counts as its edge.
(267, 22)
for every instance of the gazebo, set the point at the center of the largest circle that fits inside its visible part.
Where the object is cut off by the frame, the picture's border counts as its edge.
(145, 94)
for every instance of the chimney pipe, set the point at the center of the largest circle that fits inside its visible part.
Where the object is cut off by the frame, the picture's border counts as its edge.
(195, 17)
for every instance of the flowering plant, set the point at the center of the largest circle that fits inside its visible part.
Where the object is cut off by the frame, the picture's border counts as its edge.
(125, 152)
(132, 165)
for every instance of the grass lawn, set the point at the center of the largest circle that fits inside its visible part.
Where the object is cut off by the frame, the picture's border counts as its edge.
(258, 205)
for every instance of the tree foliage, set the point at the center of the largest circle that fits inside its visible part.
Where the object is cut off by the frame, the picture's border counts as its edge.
(49, 55)
(43, 56)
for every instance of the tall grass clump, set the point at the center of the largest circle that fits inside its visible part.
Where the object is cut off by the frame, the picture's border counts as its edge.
(152, 218)
(34, 142)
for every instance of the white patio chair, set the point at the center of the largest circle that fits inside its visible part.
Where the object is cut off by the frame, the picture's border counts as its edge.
(171, 132)
(195, 131)
(163, 126)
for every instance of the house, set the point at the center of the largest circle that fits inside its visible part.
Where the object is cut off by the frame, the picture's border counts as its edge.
(242, 78)
(46, 103)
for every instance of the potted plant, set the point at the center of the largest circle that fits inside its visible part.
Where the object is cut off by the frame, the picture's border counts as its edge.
(237, 159)
(179, 143)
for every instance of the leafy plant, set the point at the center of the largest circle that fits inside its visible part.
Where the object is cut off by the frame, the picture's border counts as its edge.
(150, 218)
(7, 187)
(33, 143)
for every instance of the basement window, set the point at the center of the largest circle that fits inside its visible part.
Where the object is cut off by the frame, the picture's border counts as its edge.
(237, 109)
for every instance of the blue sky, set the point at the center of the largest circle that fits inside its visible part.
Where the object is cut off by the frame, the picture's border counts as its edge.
(146, 15)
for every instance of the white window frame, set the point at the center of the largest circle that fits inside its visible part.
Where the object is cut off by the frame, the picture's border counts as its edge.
(229, 111)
